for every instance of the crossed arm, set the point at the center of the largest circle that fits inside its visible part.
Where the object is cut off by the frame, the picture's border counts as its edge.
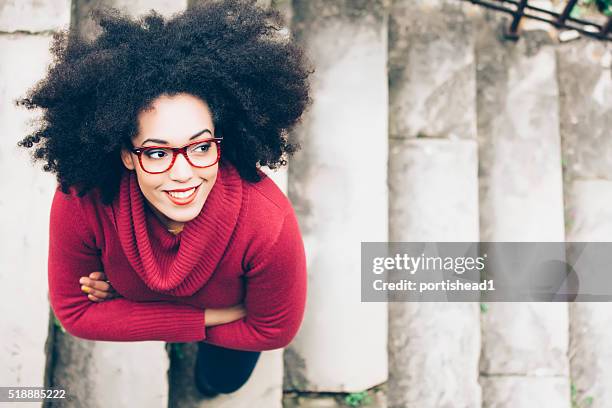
(98, 289)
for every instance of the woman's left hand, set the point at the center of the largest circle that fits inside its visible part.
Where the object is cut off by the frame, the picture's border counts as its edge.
(98, 289)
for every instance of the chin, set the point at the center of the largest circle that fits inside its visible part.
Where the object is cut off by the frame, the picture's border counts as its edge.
(183, 215)
(177, 214)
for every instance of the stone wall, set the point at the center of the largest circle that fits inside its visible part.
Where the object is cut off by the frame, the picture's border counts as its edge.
(524, 345)
(337, 183)
(24, 210)
(585, 88)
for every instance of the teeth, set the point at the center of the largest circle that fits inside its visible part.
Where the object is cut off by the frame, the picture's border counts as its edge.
(181, 194)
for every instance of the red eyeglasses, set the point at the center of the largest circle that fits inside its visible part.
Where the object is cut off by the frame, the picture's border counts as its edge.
(159, 159)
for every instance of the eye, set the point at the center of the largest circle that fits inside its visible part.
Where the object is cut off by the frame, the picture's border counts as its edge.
(156, 154)
(201, 148)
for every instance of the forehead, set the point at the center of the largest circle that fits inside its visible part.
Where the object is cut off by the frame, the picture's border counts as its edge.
(174, 119)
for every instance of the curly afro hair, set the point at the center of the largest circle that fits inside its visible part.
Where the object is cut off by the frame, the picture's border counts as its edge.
(231, 54)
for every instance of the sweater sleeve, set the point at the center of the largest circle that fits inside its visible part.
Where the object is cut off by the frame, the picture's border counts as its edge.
(275, 296)
(73, 254)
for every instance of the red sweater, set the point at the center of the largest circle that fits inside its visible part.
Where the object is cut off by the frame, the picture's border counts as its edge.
(244, 247)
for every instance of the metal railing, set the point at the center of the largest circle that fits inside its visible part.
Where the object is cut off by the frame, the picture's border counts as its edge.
(562, 20)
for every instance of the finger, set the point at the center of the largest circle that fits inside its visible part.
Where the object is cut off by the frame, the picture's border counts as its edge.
(99, 299)
(95, 284)
(98, 275)
(94, 298)
(100, 285)
(91, 291)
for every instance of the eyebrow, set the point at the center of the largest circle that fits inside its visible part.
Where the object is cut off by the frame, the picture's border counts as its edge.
(159, 141)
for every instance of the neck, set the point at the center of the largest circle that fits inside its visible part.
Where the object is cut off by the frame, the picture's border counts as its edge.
(173, 226)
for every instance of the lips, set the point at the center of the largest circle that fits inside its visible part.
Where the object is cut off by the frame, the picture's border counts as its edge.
(182, 196)
(182, 189)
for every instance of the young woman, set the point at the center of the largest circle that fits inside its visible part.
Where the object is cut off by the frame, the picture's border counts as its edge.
(162, 226)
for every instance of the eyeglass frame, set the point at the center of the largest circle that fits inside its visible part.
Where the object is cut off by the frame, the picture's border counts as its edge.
(175, 152)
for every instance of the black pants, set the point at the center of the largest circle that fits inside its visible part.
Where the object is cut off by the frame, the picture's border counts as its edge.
(222, 370)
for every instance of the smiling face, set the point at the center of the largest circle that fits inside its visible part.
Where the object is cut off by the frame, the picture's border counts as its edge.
(174, 121)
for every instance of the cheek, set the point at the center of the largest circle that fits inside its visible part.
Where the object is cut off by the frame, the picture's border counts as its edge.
(148, 183)
(209, 174)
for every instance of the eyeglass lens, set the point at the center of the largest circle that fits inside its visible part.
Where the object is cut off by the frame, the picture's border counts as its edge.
(159, 159)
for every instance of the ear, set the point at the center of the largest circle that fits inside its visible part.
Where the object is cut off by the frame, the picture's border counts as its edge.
(126, 158)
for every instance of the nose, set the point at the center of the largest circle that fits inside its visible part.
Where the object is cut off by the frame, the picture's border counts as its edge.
(181, 171)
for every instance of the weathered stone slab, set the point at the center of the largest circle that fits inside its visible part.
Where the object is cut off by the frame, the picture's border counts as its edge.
(518, 130)
(24, 215)
(433, 347)
(34, 15)
(591, 355)
(376, 398)
(590, 333)
(592, 212)
(101, 374)
(527, 339)
(519, 391)
(586, 112)
(524, 346)
(585, 103)
(263, 389)
(337, 183)
(433, 188)
(134, 8)
(432, 84)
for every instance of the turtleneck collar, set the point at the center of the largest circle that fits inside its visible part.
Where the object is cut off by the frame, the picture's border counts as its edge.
(177, 265)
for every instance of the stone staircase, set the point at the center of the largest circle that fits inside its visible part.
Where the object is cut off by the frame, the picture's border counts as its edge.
(425, 126)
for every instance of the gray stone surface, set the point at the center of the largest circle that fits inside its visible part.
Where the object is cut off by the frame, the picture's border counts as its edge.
(524, 345)
(433, 355)
(519, 391)
(376, 398)
(102, 374)
(433, 347)
(68, 367)
(528, 339)
(592, 212)
(519, 142)
(261, 3)
(433, 190)
(24, 216)
(586, 112)
(337, 183)
(263, 389)
(433, 194)
(590, 352)
(83, 8)
(285, 8)
(34, 15)
(585, 102)
(432, 85)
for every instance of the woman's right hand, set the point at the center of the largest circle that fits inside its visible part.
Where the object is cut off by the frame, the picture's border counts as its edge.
(98, 289)
(214, 317)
